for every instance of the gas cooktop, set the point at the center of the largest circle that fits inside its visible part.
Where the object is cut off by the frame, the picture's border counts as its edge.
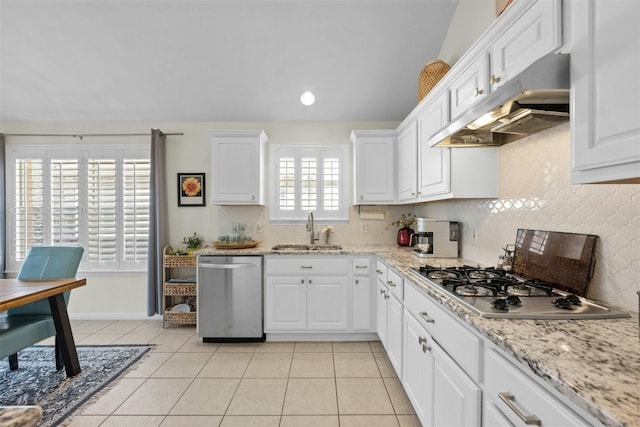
(549, 279)
(495, 293)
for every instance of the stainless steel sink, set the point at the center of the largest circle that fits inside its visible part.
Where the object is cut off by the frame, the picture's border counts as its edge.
(297, 247)
(291, 247)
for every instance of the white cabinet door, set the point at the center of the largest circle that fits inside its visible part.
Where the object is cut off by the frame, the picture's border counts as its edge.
(433, 118)
(395, 326)
(407, 171)
(435, 171)
(417, 377)
(362, 299)
(237, 167)
(456, 398)
(382, 294)
(537, 32)
(605, 121)
(327, 303)
(374, 166)
(285, 303)
(470, 86)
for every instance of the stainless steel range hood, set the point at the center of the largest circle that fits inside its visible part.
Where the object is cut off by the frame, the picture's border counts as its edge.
(534, 100)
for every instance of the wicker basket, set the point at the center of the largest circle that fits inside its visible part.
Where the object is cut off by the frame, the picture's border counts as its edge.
(177, 261)
(182, 318)
(430, 75)
(179, 289)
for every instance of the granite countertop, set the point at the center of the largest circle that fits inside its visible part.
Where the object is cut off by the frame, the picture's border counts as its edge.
(593, 363)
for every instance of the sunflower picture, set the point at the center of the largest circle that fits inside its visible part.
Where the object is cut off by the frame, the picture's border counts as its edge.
(191, 189)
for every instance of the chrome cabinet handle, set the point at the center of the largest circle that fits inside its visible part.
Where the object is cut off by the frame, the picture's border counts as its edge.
(378, 271)
(509, 400)
(426, 317)
(302, 281)
(421, 339)
(494, 79)
(382, 291)
(306, 266)
(478, 92)
(363, 266)
(357, 281)
(390, 283)
(425, 348)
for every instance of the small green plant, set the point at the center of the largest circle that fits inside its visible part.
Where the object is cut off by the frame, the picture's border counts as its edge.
(193, 242)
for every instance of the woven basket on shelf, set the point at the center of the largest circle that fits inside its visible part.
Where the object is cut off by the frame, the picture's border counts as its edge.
(430, 75)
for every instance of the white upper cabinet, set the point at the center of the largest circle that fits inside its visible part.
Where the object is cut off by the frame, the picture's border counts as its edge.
(536, 32)
(469, 86)
(237, 167)
(434, 163)
(373, 166)
(408, 164)
(605, 120)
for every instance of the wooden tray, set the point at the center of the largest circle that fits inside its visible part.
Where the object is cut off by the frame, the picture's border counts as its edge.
(250, 244)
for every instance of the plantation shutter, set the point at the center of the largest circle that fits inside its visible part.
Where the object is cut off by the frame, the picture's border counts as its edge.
(102, 211)
(28, 224)
(65, 202)
(136, 201)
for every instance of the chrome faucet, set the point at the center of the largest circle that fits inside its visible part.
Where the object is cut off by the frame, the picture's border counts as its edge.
(312, 238)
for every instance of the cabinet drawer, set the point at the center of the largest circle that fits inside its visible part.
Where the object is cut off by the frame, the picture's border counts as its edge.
(395, 284)
(519, 398)
(381, 271)
(305, 265)
(361, 266)
(463, 346)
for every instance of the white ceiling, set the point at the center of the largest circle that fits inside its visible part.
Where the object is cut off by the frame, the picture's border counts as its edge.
(216, 60)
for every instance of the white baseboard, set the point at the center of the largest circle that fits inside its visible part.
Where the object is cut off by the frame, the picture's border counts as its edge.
(348, 336)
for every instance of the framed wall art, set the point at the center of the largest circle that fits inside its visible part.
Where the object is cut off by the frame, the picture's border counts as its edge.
(191, 189)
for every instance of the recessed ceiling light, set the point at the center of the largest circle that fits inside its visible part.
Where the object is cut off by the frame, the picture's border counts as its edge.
(307, 98)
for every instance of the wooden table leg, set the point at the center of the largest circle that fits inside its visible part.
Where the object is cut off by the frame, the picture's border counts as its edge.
(64, 335)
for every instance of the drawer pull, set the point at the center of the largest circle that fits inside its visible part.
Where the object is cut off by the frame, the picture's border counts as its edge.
(509, 400)
(382, 291)
(306, 266)
(494, 79)
(386, 295)
(390, 283)
(478, 92)
(425, 348)
(363, 266)
(378, 271)
(357, 281)
(426, 317)
(421, 340)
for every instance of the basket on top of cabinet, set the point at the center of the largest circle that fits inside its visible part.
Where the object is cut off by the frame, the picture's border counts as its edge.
(178, 288)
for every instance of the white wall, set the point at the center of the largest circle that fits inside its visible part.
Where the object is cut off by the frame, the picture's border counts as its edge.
(470, 20)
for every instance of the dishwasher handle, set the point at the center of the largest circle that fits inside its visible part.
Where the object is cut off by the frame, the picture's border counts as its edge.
(226, 266)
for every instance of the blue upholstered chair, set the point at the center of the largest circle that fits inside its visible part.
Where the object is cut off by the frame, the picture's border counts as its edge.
(28, 324)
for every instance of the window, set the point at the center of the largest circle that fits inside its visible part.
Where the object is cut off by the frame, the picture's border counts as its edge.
(93, 196)
(308, 179)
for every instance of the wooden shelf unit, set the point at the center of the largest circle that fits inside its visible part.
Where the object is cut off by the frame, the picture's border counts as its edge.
(178, 288)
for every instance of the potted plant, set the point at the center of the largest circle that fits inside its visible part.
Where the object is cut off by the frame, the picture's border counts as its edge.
(193, 243)
(405, 222)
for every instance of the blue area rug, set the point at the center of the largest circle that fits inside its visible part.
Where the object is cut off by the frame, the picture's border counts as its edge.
(36, 381)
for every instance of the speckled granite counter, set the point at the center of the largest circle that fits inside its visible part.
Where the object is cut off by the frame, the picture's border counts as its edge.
(594, 363)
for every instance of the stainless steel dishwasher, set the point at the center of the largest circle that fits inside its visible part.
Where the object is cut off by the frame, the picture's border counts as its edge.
(229, 303)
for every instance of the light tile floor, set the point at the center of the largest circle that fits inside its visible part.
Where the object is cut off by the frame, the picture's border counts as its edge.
(184, 382)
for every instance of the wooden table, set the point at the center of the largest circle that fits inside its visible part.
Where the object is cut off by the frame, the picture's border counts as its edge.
(14, 293)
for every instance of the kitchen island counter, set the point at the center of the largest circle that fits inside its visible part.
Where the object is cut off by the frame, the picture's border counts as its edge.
(594, 364)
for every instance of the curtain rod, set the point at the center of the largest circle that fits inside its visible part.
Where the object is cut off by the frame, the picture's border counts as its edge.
(82, 135)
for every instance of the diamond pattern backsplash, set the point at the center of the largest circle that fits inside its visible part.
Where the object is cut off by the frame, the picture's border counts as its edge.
(535, 192)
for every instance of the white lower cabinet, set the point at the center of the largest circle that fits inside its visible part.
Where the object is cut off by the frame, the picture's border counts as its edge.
(512, 398)
(317, 294)
(442, 394)
(389, 312)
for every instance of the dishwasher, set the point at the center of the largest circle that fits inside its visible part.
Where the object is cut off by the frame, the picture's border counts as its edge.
(229, 303)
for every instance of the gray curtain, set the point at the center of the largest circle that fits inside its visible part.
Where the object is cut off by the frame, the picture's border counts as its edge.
(3, 208)
(158, 222)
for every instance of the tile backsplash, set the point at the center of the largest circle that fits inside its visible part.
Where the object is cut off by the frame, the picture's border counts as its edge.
(535, 192)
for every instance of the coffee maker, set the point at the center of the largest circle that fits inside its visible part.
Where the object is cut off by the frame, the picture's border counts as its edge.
(435, 239)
